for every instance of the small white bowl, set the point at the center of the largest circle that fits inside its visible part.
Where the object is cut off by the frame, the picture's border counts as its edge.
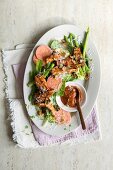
(83, 102)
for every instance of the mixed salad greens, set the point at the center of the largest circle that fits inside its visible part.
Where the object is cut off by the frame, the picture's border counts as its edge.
(54, 65)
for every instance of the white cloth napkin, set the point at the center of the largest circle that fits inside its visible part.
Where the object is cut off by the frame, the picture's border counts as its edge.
(22, 131)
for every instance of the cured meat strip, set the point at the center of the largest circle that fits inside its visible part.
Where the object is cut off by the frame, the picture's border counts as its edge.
(42, 52)
(53, 83)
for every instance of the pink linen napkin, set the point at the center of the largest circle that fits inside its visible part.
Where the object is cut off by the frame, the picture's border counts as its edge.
(45, 139)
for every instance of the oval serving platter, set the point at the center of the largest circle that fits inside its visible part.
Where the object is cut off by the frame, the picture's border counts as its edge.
(92, 86)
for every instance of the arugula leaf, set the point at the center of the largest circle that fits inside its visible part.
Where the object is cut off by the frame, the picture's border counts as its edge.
(61, 91)
(26, 126)
(31, 79)
(82, 72)
(68, 77)
(35, 70)
(30, 83)
(53, 99)
(31, 95)
(48, 117)
(87, 69)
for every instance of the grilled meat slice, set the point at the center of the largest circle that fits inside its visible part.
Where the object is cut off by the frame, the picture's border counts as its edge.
(77, 53)
(80, 64)
(72, 70)
(69, 62)
(40, 98)
(49, 106)
(61, 116)
(40, 82)
(56, 71)
(78, 56)
(53, 57)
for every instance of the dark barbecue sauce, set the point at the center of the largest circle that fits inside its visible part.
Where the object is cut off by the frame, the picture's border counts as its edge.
(69, 97)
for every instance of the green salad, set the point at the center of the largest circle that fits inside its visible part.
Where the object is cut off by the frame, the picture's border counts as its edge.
(53, 65)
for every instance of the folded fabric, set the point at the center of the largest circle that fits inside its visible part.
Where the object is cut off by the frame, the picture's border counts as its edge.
(20, 55)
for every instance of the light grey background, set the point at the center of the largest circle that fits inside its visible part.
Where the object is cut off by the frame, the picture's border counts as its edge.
(25, 21)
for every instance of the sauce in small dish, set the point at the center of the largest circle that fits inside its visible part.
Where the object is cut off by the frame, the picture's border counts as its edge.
(68, 101)
(69, 97)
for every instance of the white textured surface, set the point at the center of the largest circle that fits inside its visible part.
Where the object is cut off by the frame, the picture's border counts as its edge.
(25, 21)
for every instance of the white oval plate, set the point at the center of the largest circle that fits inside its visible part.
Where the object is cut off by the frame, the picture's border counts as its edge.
(92, 86)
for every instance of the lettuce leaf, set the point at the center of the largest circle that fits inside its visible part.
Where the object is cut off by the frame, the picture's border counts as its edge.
(55, 44)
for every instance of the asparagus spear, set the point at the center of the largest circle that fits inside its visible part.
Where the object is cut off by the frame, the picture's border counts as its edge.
(30, 83)
(75, 42)
(48, 70)
(38, 66)
(66, 39)
(85, 42)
